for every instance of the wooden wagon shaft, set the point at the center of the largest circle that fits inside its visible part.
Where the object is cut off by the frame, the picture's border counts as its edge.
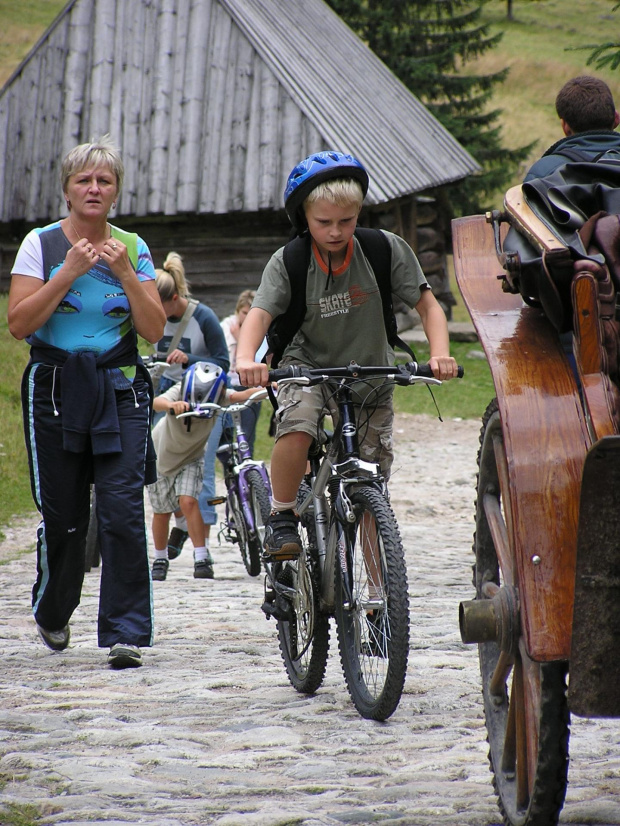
(545, 435)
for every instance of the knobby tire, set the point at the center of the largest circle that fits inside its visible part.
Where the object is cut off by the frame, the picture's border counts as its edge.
(372, 606)
(304, 640)
(261, 507)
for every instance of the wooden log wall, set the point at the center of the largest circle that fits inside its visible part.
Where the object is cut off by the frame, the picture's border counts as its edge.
(224, 255)
(202, 122)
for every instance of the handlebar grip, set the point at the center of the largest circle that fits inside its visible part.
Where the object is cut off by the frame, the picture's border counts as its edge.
(425, 371)
(290, 372)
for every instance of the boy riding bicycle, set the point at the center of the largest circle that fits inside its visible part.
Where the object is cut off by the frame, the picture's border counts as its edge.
(343, 323)
(180, 445)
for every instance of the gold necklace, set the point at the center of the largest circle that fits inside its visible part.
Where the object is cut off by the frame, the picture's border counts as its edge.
(77, 235)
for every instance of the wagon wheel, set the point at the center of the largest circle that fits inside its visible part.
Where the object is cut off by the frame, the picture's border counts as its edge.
(524, 701)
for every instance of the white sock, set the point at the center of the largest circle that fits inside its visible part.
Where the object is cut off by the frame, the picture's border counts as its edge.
(200, 554)
(283, 506)
(161, 554)
(181, 522)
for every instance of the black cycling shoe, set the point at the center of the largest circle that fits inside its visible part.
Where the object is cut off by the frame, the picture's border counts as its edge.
(159, 570)
(282, 536)
(176, 540)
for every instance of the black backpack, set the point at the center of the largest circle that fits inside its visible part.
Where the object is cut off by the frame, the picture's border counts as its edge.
(297, 252)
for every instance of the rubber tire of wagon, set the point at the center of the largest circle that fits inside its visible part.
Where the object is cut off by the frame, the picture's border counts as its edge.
(373, 654)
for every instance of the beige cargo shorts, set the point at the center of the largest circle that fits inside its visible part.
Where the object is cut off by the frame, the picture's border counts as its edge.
(301, 408)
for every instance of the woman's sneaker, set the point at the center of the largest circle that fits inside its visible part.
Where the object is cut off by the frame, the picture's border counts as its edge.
(56, 640)
(282, 536)
(160, 569)
(176, 540)
(124, 655)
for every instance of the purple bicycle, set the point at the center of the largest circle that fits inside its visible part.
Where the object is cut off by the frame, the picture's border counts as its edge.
(248, 489)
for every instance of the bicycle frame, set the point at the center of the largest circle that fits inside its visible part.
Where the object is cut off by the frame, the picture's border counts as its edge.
(341, 464)
(239, 462)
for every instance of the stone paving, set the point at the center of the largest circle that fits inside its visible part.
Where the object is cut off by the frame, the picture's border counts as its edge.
(209, 731)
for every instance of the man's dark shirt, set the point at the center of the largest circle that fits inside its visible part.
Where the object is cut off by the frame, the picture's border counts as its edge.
(593, 143)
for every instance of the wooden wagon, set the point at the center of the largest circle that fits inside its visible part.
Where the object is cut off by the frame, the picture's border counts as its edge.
(546, 613)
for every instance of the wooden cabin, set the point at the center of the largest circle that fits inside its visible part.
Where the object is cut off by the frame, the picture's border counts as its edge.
(212, 103)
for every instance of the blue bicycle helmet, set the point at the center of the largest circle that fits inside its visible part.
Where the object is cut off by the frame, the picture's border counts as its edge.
(315, 170)
(203, 382)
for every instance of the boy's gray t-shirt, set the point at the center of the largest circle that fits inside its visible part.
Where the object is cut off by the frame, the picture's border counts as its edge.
(174, 445)
(344, 315)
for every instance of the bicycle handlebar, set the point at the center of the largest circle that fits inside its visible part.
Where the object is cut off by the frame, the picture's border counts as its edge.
(197, 409)
(404, 374)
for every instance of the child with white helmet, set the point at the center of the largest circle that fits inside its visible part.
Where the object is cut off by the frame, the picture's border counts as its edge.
(180, 446)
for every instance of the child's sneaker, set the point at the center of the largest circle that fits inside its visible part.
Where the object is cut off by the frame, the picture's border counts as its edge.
(160, 569)
(281, 536)
(176, 540)
(203, 569)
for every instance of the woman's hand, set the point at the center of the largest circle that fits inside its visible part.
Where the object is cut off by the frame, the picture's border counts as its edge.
(177, 357)
(81, 258)
(115, 255)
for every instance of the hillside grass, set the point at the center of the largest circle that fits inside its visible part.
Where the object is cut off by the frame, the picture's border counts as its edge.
(23, 23)
(541, 49)
(15, 496)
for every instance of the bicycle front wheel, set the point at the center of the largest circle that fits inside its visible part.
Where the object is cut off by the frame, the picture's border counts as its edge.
(372, 607)
(261, 507)
(304, 638)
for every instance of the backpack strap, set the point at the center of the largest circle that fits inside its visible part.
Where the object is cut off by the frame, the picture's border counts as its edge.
(576, 155)
(582, 157)
(130, 239)
(296, 257)
(378, 251)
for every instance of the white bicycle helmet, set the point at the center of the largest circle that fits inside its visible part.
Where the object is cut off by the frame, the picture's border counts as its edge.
(203, 382)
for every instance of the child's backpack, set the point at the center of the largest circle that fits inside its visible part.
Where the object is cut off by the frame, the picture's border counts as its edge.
(297, 252)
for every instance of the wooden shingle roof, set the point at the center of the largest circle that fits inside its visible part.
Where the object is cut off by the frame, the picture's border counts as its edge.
(211, 103)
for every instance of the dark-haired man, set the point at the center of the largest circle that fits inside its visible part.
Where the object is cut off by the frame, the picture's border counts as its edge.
(588, 117)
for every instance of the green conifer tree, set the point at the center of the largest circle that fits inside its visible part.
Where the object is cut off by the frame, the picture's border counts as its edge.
(427, 44)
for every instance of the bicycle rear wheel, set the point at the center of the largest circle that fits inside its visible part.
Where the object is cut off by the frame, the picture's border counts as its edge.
(372, 607)
(261, 506)
(304, 639)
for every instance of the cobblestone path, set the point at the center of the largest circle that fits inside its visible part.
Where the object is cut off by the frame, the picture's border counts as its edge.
(209, 730)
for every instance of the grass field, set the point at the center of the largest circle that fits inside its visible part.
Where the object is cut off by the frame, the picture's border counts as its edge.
(541, 48)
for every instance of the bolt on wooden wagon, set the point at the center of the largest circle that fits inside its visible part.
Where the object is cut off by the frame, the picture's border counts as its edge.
(541, 281)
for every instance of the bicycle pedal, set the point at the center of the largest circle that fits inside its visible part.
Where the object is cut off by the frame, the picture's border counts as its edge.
(278, 609)
(216, 500)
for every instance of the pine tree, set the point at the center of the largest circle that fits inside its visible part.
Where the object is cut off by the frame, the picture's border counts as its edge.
(427, 43)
